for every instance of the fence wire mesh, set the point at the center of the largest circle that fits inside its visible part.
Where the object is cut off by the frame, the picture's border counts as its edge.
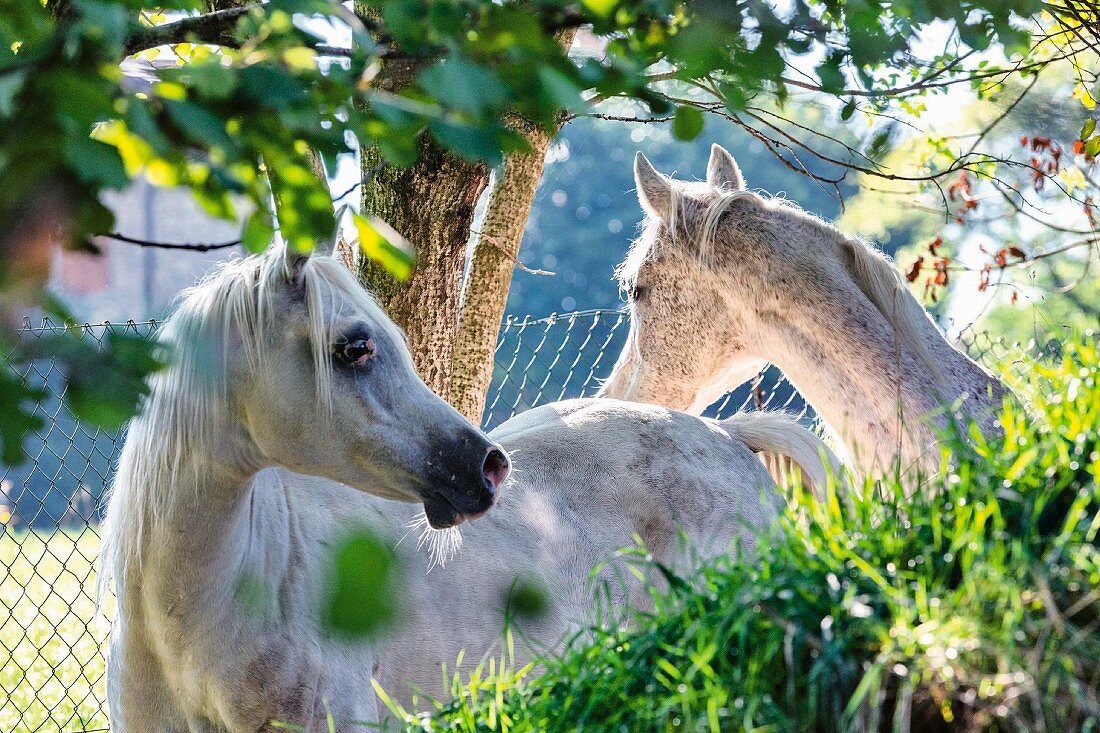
(51, 643)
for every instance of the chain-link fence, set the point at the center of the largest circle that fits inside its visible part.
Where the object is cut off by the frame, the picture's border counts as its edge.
(51, 677)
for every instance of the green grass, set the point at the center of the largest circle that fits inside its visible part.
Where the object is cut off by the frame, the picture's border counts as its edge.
(51, 671)
(973, 605)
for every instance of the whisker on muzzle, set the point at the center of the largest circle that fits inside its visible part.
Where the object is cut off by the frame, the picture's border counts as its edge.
(442, 544)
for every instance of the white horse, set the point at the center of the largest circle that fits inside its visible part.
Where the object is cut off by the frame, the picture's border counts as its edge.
(287, 378)
(723, 280)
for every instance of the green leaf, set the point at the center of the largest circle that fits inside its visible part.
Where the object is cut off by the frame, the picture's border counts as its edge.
(699, 48)
(602, 8)
(733, 96)
(1015, 40)
(271, 87)
(562, 91)
(199, 124)
(105, 22)
(140, 121)
(380, 242)
(830, 73)
(879, 144)
(16, 419)
(687, 123)
(766, 62)
(258, 232)
(398, 152)
(508, 27)
(105, 386)
(526, 598)
(212, 79)
(404, 19)
(463, 85)
(658, 103)
(95, 162)
(93, 217)
(1088, 128)
(10, 85)
(303, 204)
(848, 110)
(446, 18)
(214, 200)
(364, 588)
(472, 143)
(977, 36)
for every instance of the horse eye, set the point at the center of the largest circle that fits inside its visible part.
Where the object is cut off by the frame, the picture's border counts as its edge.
(354, 352)
(638, 292)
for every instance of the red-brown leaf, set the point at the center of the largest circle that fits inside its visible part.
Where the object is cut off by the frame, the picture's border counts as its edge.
(914, 270)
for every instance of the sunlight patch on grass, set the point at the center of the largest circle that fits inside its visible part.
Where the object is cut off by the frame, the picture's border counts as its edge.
(51, 669)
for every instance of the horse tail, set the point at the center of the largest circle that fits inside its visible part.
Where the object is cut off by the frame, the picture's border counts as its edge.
(783, 444)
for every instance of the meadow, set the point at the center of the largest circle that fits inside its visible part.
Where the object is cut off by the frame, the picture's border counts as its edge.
(51, 669)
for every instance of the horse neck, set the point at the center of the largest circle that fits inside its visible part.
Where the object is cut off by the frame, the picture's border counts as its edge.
(180, 521)
(882, 391)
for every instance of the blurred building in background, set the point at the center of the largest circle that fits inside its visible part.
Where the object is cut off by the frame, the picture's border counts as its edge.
(129, 282)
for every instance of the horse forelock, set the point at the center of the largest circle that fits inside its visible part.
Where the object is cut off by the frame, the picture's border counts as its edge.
(695, 213)
(232, 309)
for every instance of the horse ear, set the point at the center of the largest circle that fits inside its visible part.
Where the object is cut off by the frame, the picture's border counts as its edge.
(295, 261)
(722, 170)
(329, 246)
(654, 189)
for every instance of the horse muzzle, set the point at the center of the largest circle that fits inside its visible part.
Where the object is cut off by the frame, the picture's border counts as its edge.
(457, 498)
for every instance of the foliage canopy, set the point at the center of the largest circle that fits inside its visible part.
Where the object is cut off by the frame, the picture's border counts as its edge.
(235, 103)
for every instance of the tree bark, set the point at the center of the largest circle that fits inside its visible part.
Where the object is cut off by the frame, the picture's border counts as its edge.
(495, 254)
(432, 205)
(485, 295)
(452, 325)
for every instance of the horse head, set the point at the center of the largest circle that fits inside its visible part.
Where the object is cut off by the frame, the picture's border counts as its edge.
(691, 335)
(310, 374)
(723, 280)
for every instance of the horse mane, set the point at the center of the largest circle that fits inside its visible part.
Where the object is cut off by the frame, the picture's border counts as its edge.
(874, 273)
(682, 210)
(231, 308)
(871, 270)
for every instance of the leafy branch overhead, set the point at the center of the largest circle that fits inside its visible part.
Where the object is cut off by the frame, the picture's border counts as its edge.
(234, 103)
(257, 86)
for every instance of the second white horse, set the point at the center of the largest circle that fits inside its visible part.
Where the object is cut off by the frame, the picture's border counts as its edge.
(723, 280)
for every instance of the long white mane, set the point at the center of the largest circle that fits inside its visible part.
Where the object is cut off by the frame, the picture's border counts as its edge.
(695, 226)
(231, 311)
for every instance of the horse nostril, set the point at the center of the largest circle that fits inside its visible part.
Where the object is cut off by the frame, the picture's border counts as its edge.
(494, 470)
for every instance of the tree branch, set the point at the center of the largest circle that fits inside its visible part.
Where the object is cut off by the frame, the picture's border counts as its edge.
(190, 247)
(503, 251)
(927, 83)
(215, 28)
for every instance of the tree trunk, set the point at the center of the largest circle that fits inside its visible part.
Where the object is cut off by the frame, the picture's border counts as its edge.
(485, 295)
(452, 326)
(495, 254)
(432, 205)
